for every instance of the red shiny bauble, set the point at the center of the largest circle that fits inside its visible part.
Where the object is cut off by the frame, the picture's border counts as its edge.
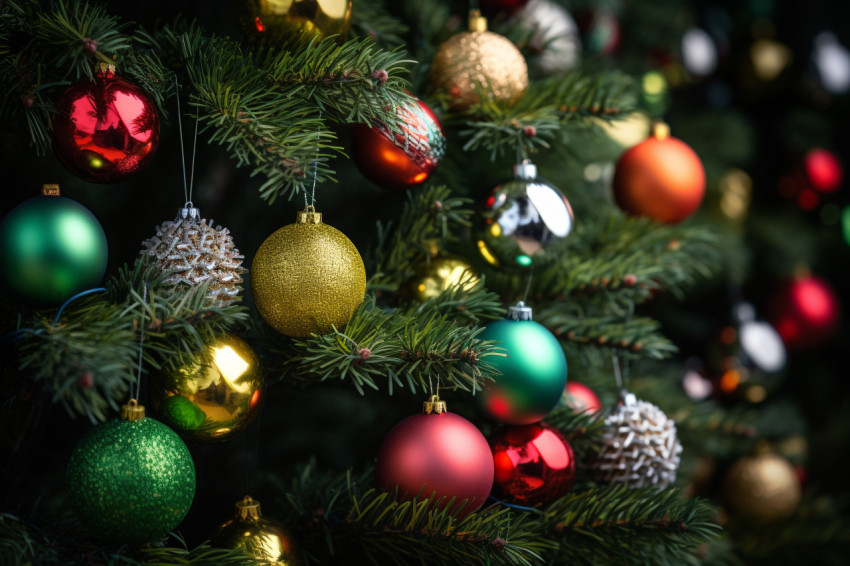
(661, 178)
(493, 8)
(579, 398)
(105, 130)
(437, 453)
(405, 159)
(805, 312)
(823, 170)
(534, 464)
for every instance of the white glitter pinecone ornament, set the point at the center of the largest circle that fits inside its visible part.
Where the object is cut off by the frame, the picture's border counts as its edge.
(639, 446)
(194, 252)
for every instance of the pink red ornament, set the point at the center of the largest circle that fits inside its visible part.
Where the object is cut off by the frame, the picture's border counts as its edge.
(823, 170)
(580, 398)
(439, 453)
(805, 311)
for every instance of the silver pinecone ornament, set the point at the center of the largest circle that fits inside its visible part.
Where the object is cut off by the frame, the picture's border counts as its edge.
(194, 252)
(639, 446)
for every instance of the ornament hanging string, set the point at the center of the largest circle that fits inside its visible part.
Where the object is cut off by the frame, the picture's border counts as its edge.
(315, 165)
(187, 187)
(141, 345)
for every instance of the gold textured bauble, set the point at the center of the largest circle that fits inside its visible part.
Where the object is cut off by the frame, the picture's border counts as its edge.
(274, 22)
(764, 487)
(437, 275)
(264, 540)
(214, 401)
(478, 60)
(307, 277)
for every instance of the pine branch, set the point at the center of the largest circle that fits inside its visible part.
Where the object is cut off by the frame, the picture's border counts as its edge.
(403, 350)
(552, 107)
(348, 516)
(66, 542)
(619, 524)
(581, 430)
(429, 220)
(466, 304)
(87, 358)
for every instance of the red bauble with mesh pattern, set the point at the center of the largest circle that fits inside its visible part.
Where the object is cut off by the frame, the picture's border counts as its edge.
(442, 454)
(105, 130)
(405, 159)
(534, 464)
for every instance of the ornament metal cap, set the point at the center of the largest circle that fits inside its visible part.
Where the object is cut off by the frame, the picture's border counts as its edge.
(50, 190)
(660, 130)
(105, 69)
(627, 399)
(248, 509)
(434, 405)
(308, 216)
(525, 170)
(477, 22)
(189, 211)
(132, 411)
(520, 311)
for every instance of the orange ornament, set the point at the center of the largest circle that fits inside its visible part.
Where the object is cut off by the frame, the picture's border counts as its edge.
(660, 178)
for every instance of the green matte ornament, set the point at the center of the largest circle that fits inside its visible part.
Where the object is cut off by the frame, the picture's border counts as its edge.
(51, 248)
(533, 373)
(131, 480)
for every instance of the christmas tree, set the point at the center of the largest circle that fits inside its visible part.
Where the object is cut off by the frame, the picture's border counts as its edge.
(564, 286)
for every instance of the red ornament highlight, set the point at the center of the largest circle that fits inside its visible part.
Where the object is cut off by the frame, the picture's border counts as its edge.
(439, 453)
(806, 312)
(661, 178)
(534, 464)
(823, 171)
(105, 130)
(580, 398)
(405, 159)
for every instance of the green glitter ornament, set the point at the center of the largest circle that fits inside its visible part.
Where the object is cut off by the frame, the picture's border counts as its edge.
(533, 373)
(131, 480)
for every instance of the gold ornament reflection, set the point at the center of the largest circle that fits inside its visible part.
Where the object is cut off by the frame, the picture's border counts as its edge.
(735, 194)
(438, 275)
(263, 539)
(274, 22)
(211, 402)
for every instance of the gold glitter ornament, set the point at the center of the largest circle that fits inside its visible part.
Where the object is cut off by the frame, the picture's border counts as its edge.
(437, 275)
(212, 402)
(307, 277)
(264, 540)
(478, 60)
(273, 22)
(194, 252)
(763, 488)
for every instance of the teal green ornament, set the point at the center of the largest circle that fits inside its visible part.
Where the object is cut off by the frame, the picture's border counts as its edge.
(51, 248)
(533, 374)
(131, 480)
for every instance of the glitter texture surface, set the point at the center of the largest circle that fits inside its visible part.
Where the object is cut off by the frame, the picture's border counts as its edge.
(131, 481)
(474, 60)
(195, 252)
(306, 278)
(639, 446)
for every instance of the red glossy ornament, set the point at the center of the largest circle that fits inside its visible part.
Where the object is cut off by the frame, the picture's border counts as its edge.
(403, 160)
(823, 170)
(805, 312)
(534, 464)
(105, 130)
(439, 453)
(660, 178)
(493, 8)
(580, 398)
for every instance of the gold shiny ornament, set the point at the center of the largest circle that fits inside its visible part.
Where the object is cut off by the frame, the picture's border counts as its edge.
(478, 60)
(214, 401)
(736, 190)
(273, 22)
(764, 487)
(264, 540)
(307, 277)
(436, 275)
